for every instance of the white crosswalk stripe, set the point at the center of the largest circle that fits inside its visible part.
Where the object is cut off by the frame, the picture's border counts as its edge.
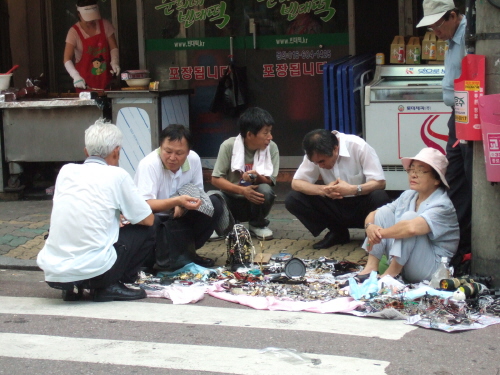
(175, 356)
(193, 314)
(125, 350)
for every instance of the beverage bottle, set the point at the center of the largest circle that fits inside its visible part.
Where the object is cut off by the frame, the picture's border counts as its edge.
(417, 55)
(441, 273)
(401, 54)
(432, 52)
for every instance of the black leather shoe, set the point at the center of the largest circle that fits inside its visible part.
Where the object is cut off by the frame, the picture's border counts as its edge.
(118, 292)
(72, 295)
(332, 239)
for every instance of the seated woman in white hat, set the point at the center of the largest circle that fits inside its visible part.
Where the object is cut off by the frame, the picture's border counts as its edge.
(419, 227)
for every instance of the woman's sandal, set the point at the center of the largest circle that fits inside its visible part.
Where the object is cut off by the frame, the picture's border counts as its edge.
(361, 278)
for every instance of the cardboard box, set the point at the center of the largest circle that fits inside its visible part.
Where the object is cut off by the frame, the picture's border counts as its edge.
(413, 51)
(442, 47)
(429, 46)
(398, 52)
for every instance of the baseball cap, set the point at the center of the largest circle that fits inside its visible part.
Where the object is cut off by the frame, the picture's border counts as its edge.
(434, 10)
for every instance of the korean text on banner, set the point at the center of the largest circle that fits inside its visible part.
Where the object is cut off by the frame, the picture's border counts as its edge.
(489, 112)
(469, 87)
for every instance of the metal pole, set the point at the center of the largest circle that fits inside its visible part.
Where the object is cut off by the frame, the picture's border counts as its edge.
(231, 56)
(140, 34)
(470, 31)
(485, 196)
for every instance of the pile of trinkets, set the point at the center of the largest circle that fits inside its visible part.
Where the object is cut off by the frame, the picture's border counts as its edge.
(324, 279)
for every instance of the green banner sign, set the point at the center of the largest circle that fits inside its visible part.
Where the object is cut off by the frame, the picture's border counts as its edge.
(190, 11)
(263, 42)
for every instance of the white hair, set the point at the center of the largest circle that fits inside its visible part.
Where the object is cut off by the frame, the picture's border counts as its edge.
(102, 138)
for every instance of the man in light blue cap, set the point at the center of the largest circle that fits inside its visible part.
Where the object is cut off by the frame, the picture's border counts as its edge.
(442, 17)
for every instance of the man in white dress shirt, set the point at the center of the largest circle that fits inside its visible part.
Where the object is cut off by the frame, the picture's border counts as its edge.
(170, 179)
(354, 184)
(93, 242)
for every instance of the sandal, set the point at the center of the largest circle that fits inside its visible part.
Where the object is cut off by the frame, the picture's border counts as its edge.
(361, 278)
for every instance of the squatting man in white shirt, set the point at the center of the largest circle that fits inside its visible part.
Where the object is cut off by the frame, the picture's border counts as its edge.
(354, 184)
(101, 229)
(170, 180)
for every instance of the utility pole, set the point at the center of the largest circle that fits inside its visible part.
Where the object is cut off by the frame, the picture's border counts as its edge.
(485, 196)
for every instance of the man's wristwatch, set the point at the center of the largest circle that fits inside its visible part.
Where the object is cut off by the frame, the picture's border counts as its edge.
(359, 189)
(367, 225)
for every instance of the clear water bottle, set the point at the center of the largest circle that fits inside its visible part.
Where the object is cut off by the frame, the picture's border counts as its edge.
(443, 272)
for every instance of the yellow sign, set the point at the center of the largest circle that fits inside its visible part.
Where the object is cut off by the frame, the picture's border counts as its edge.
(472, 85)
(461, 119)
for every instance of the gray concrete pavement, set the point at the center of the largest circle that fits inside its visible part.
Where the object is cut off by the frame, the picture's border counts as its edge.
(24, 223)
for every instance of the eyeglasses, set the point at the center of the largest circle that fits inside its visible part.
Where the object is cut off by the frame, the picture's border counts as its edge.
(434, 28)
(418, 172)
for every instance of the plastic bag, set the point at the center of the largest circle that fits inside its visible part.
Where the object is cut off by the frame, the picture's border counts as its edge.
(367, 290)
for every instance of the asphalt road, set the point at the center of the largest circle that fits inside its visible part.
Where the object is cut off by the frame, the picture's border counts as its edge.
(41, 334)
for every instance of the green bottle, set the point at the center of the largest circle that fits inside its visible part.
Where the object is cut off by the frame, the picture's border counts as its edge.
(417, 55)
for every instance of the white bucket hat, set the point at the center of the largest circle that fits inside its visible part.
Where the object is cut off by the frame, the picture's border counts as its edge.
(434, 10)
(89, 12)
(432, 157)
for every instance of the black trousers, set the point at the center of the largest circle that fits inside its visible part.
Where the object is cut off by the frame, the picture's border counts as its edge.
(200, 226)
(136, 244)
(203, 226)
(317, 212)
(459, 177)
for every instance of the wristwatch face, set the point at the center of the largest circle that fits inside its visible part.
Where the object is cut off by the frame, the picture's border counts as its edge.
(359, 189)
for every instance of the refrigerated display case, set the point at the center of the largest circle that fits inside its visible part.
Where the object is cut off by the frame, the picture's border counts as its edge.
(404, 112)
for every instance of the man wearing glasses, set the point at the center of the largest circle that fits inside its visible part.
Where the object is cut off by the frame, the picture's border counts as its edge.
(442, 17)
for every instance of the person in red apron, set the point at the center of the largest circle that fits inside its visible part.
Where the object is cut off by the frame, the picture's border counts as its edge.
(91, 44)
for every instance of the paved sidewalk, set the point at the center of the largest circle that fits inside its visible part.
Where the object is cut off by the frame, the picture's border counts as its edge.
(24, 223)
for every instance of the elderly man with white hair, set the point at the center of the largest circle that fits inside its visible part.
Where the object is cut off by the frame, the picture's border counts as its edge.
(93, 242)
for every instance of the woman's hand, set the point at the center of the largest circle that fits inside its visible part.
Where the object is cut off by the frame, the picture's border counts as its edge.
(374, 236)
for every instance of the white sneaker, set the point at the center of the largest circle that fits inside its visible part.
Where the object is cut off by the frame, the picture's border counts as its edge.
(263, 233)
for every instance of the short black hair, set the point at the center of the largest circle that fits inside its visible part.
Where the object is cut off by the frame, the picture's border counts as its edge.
(175, 132)
(319, 141)
(253, 120)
